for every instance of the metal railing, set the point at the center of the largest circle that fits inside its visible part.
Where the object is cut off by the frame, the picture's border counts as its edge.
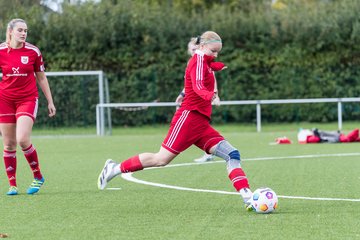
(100, 131)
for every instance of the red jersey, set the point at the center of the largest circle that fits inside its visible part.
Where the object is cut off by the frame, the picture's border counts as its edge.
(199, 84)
(18, 67)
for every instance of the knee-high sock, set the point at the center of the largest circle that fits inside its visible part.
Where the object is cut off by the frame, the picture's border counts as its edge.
(232, 157)
(132, 164)
(32, 158)
(239, 179)
(10, 166)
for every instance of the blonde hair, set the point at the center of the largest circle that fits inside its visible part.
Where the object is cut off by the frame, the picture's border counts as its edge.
(209, 37)
(193, 41)
(10, 27)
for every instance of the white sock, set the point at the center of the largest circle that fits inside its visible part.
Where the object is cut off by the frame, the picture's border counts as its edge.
(116, 169)
(246, 194)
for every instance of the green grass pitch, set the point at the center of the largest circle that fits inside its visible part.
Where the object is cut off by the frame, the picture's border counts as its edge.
(69, 206)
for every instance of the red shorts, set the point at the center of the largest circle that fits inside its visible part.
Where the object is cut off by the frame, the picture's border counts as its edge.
(188, 128)
(11, 110)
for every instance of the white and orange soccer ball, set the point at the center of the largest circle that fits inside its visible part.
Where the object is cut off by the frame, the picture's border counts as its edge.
(264, 200)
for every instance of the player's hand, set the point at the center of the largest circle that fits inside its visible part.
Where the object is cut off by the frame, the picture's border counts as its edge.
(216, 100)
(179, 100)
(51, 109)
(217, 66)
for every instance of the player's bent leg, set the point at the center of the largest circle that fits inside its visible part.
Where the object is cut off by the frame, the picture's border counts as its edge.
(136, 163)
(238, 177)
(24, 126)
(159, 159)
(111, 169)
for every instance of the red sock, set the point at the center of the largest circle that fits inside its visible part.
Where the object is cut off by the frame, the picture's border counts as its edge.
(132, 164)
(239, 179)
(10, 166)
(32, 158)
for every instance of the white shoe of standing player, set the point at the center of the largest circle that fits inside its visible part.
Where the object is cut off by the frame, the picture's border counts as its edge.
(205, 158)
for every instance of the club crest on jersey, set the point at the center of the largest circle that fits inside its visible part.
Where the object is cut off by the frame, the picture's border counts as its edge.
(24, 59)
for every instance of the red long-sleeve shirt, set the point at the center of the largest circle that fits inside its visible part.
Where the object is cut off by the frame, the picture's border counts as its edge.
(199, 84)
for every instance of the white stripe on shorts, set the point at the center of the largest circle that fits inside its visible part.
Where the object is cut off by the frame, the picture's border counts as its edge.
(177, 128)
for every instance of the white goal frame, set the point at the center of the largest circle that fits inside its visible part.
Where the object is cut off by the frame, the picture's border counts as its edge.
(103, 91)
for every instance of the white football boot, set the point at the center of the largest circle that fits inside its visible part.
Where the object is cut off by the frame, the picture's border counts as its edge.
(246, 195)
(205, 158)
(106, 174)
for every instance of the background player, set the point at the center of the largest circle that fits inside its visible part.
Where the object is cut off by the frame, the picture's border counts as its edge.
(22, 66)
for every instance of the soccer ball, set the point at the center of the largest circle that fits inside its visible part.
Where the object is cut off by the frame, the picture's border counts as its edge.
(264, 200)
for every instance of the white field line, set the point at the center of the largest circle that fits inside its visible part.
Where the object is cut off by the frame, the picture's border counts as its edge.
(264, 159)
(129, 177)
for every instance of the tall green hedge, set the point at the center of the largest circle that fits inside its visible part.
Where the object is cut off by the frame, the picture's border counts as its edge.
(310, 49)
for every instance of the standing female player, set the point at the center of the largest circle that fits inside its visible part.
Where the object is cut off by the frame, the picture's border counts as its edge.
(190, 124)
(22, 66)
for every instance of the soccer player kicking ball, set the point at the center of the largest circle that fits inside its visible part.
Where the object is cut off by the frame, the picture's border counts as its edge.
(191, 124)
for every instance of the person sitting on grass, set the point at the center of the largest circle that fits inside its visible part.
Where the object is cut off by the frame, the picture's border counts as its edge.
(317, 136)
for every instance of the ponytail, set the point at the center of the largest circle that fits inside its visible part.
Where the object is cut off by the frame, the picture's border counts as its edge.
(8, 36)
(198, 39)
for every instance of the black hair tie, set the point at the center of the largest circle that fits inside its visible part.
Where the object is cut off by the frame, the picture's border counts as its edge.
(198, 38)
